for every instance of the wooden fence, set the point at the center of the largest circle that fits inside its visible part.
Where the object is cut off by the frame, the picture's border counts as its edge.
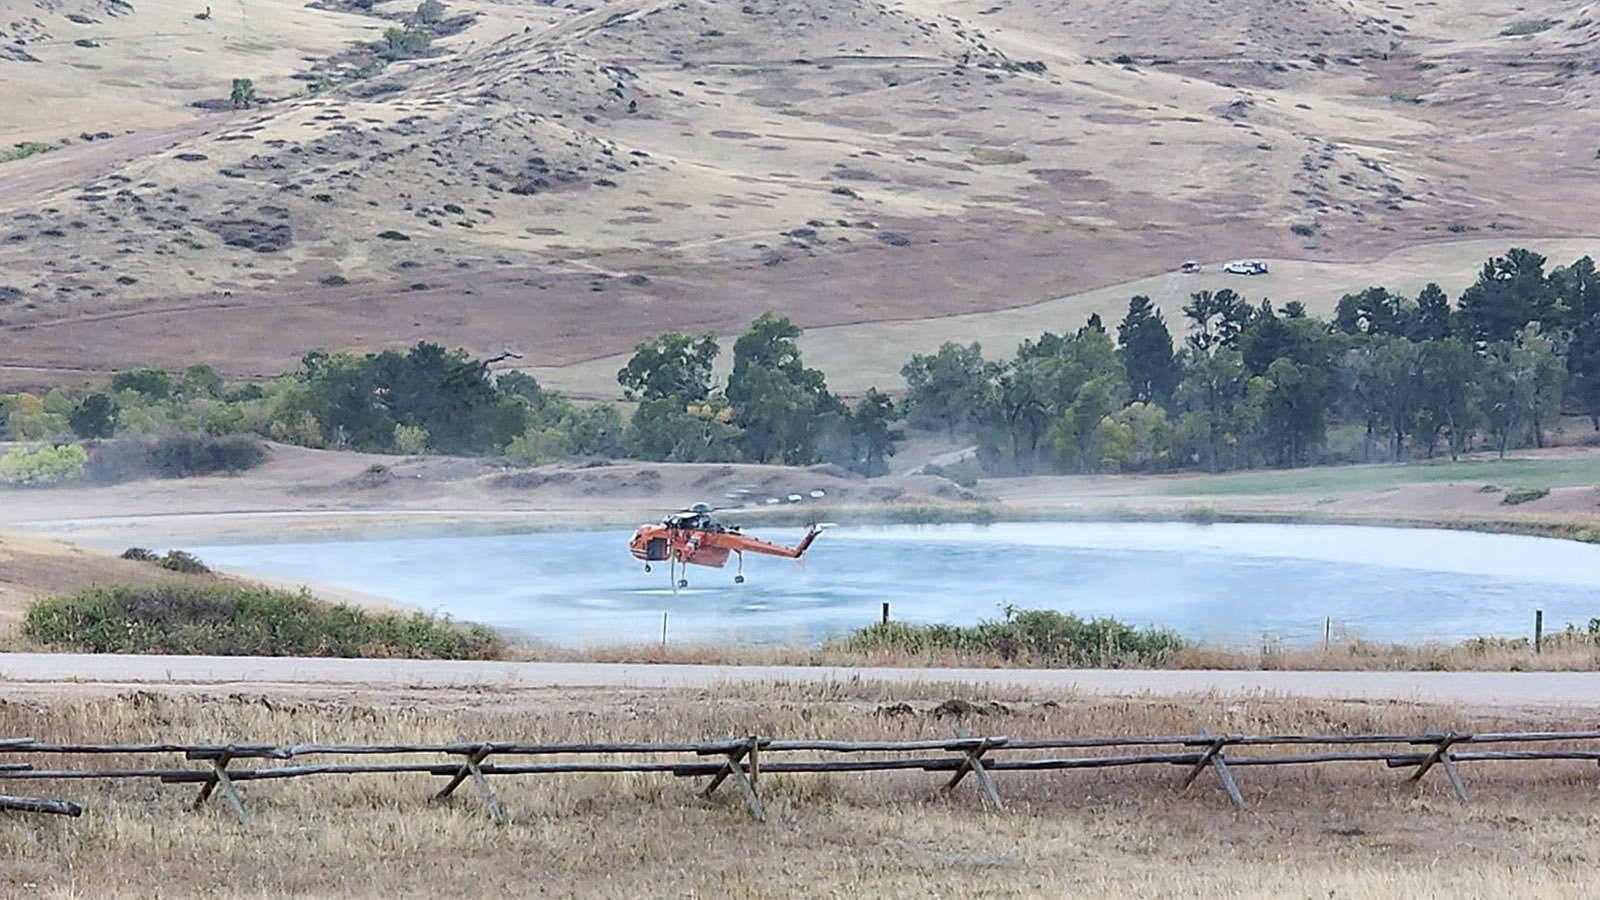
(743, 761)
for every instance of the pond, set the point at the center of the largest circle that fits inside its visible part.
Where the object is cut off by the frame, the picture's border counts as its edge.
(1227, 584)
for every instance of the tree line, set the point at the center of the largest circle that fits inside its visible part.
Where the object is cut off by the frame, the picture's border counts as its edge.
(1251, 385)
(1386, 377)
(773, 409)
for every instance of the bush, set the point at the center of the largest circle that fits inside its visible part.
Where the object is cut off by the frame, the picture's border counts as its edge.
(174, 456)
(405, 43)
(1523, 495)
(155, 384)
(185, 562)
(1041, 637)
(47, 465)
(229, 619)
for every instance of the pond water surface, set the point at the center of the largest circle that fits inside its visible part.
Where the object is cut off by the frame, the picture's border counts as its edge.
(1225, 583)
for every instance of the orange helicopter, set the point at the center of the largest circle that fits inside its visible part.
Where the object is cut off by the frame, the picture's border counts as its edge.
(691, 536)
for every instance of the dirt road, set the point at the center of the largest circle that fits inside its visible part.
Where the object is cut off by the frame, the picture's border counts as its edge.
(1478, 689)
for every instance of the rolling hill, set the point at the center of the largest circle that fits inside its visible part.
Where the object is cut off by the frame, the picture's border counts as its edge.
(569, 179)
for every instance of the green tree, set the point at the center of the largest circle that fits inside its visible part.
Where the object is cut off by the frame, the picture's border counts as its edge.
(945, 389)
(244, 93)
(672, 365)
(1577, 290)
(1213, 393)
(667, 430)
(780, 406)
(1149, 436)
(522, 386)
(1215, 319)
(430, 11)
(1077, 434)
(1293, 400)
(873, 433)
(1396, 396)
(95, 416)
(1051, 397)
(154, 384)
(1510, 292)
(1548, 374)
(1374, 311)
(342, 397)
(200, 381)
(449, 394)
(1448, 371)
(1434, 322)
(1147, 353)
(1505, 393)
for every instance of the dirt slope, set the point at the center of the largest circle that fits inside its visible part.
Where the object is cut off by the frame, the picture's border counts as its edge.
(569, 180)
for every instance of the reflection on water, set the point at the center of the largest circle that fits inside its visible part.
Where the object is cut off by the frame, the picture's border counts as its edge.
(1224, 583)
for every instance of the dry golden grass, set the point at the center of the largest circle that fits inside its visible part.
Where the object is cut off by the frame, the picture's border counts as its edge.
(1347, 654)
(1345, 831)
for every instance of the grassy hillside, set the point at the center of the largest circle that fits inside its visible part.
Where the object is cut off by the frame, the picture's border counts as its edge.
(569, 180)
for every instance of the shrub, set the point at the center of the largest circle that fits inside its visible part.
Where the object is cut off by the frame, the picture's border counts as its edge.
(95, 416)
(47, 465)
(243, 95)
(232, 619)
(185, 562)
(1523, 495)
(25, 149)
(410, 440)
(1041, 637)
(174, 456)
(153, 383)
(404, 43)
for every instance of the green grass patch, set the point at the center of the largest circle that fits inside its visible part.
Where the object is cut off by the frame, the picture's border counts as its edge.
(1035, 637)
(241, 619)
(1523, 495)
(1350, 479)
(24, 150)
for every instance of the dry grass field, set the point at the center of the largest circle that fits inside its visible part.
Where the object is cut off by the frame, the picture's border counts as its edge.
(567, 180)
(1354, 830)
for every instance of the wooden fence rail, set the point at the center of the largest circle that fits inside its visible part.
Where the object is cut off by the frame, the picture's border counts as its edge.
(742, 761)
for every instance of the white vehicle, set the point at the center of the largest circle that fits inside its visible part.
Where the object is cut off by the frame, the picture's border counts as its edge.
(1246, 267)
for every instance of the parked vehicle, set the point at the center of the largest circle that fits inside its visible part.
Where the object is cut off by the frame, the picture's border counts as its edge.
(1189, 267)
(1246, 267)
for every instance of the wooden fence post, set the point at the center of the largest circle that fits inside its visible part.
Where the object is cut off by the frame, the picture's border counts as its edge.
(974, 763)
(1441, 754)
(1213, 757)
(219, 777)
(734, 769)
(1538, 631)
(470, 769)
